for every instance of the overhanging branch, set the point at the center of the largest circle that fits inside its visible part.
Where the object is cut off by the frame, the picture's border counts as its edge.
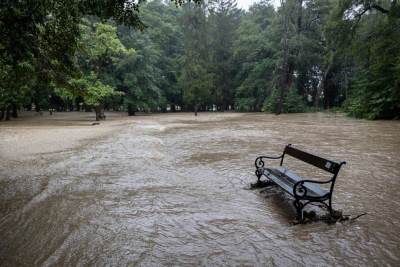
(379, 8)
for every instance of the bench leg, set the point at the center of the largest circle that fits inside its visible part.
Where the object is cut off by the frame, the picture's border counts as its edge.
(259, 183)
(332, 213)
(258, 174)
(299, 208)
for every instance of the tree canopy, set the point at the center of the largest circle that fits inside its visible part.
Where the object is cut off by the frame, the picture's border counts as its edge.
(198, 56)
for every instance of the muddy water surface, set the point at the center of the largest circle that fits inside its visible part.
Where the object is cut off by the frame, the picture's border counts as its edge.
(170, 190)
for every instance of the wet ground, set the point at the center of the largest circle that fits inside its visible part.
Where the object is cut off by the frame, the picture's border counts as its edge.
(171, 190)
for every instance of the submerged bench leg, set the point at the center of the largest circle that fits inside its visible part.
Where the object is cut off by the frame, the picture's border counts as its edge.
(299, 209)
(332, 213)
(260, 183)
(259, 173)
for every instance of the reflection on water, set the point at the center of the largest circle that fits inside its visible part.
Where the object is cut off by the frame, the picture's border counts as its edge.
(170, 190)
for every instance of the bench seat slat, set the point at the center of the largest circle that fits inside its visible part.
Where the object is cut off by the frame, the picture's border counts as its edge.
(286, 179)
(288, 187)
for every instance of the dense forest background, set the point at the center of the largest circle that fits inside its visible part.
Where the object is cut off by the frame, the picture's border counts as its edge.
(166, 56)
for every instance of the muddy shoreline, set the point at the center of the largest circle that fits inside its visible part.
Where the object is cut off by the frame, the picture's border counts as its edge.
(31, 135)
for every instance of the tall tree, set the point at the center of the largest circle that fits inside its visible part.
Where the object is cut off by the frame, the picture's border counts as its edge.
(139, 74)
(196, 78)
(254, 53)
(223, 20)
(288, 32)
(101, 50)
(367, 34)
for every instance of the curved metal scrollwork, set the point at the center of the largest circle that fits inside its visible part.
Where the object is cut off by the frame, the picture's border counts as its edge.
(299, 190)
(259, 163)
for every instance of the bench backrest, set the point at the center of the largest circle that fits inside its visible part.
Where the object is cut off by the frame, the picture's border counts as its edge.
(324, 164)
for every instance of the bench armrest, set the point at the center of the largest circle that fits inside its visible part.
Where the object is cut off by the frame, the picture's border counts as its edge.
(259, 163)
(299, 190)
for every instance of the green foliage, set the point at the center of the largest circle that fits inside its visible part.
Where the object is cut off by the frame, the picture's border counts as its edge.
(44, 35)
(103, 44)
(149, 78)
(304, 55)
(101, 51)
(93, 91)
(254, 57)
(65, 94)
(197, 83)
(100, 48)
(221, 25)
(138, 79)
(374, 91)
(271, 103)
(292, 102)
(245, 104)
(196, 80)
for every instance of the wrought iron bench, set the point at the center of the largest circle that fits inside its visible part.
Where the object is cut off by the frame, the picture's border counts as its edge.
(304, 191)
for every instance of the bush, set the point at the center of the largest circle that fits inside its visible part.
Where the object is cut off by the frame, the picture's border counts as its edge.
(245, 104)
(292, 102)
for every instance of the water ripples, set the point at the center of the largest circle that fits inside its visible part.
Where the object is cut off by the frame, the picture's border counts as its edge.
(172, 191)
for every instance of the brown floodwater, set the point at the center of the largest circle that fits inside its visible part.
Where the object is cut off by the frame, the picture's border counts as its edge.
(172, 190)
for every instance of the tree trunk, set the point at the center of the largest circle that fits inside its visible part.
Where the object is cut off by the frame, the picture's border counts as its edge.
(102, 116)
(14, 113)
(299, 16)
(284, 79)
(8, 113)
(317, 95)
(37, 108)
(327, 87)
(2, 112)
(131, 110)
(99, 112)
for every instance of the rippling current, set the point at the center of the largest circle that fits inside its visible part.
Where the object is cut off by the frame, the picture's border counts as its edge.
(171, 190)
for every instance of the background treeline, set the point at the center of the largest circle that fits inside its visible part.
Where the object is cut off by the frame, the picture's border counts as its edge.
(304, 55)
